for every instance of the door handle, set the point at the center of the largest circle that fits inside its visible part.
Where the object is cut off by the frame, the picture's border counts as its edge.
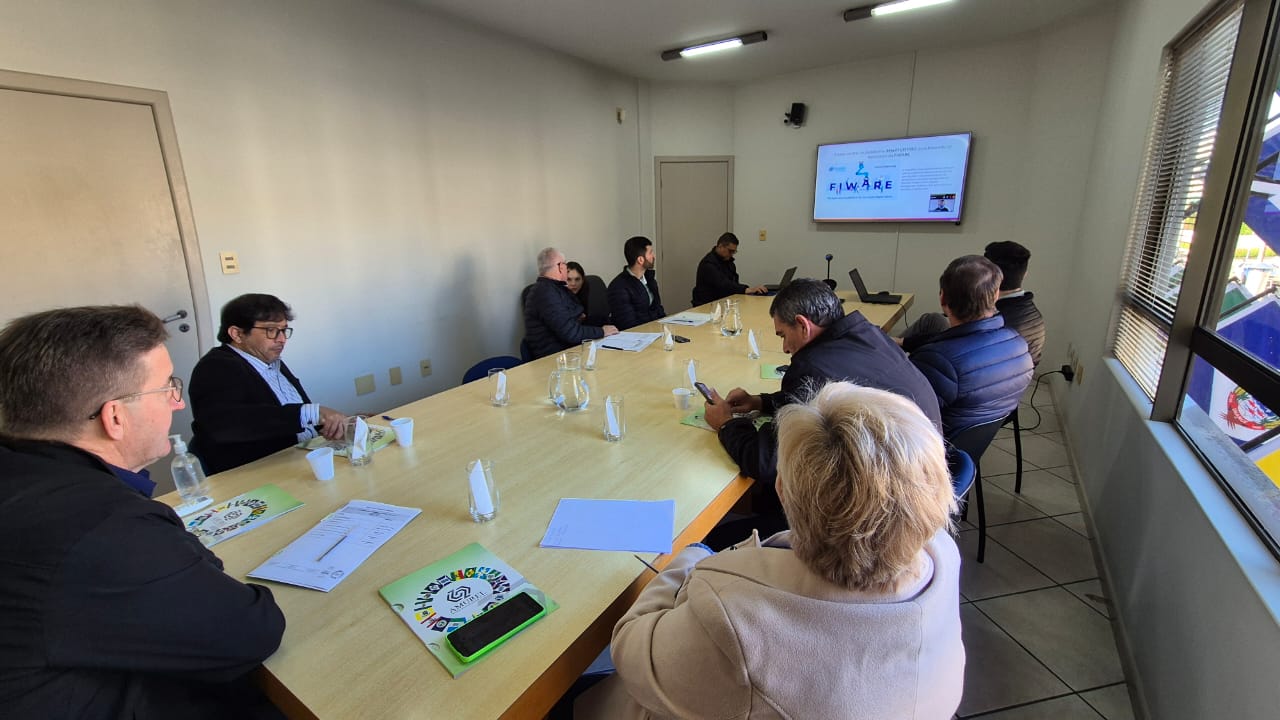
(174, 317)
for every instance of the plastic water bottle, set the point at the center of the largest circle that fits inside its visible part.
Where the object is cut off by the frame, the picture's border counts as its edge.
(188, 476)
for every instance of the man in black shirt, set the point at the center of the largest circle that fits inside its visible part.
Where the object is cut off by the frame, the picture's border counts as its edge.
(111, 609)
(551, 313)
(718, 275)
(633, 294)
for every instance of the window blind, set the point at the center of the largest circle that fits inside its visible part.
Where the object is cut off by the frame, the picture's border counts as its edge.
(1193, 82)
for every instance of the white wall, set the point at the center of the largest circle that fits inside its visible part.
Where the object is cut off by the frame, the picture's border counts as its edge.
(388, 173)
(1031, 103)
(1197, 594)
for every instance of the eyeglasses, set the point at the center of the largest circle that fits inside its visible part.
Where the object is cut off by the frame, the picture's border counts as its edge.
(562, 264)
(273, 332)
(174, 388)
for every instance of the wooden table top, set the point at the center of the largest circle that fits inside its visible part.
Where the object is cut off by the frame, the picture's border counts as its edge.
(346, 654)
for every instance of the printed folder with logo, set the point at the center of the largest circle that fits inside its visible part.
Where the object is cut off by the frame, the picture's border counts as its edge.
(446, 595)
(241, 514)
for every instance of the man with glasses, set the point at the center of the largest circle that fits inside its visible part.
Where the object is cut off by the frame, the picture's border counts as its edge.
(718, 275)
(551, 312)
(111, 609)
(245, 402)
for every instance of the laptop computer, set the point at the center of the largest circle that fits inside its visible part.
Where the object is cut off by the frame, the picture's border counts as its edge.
(881, 298)
(786, 280)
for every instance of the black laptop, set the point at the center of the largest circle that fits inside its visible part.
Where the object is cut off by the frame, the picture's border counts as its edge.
(786, 280)
(881, 298)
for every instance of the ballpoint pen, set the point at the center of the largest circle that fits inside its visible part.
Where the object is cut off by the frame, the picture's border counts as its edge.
(645, 563)
(345, 535)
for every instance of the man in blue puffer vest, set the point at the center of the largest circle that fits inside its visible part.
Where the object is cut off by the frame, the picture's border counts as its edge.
(978, 367)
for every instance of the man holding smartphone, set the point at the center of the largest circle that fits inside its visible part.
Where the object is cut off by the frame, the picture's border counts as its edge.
(825, 345)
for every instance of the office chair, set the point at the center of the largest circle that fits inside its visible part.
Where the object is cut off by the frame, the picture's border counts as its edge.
(1017, 447)
(481, 369)
(597, 300)
(974, 443)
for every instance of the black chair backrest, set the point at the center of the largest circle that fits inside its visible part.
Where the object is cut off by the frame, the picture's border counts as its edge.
(975, 440)
(597, 300)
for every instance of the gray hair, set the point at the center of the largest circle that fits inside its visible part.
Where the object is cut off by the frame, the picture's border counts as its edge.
(547, 259)
(811, 298)
(60, 366)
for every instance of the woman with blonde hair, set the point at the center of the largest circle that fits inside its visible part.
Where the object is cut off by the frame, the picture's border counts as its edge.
(853, 613)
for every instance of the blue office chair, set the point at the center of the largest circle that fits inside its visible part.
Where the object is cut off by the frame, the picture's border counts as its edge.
(974, 442)
(1017, 447)
(482, 368)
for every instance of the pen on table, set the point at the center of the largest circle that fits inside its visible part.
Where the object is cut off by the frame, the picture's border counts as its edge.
(645, 563)
(387, 418)
(345, 535)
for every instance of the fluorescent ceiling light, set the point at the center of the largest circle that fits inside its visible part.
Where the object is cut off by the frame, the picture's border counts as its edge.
(888, 8)
(715, 45)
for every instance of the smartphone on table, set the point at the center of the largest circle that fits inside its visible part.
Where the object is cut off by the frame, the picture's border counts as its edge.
(486, 632)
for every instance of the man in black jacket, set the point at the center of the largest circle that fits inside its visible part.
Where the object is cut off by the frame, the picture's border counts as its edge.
(245, 402)
(718, 275)
(633, 294)
(551, 312)
(825, 345)
(111, 609)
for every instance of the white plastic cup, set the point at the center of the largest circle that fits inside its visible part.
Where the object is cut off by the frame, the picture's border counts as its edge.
(321, 461)
(682, 396)
(404, 431)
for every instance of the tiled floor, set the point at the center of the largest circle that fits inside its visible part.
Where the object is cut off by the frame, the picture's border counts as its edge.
(1036, 627)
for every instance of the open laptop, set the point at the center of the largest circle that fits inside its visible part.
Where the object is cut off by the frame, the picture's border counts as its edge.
(881, 298)
(786, 280)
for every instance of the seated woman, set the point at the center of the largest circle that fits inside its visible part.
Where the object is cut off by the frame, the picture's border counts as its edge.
(576, 279)
(852, 614)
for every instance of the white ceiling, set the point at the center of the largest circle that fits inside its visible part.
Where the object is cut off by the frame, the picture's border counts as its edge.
(629, 35)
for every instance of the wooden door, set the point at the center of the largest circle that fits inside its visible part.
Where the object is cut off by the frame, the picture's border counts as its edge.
(695, 205)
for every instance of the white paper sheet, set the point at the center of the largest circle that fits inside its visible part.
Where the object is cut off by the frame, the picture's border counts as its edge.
(692, 319)
(630, 341)
(336, 546)
(634, 525)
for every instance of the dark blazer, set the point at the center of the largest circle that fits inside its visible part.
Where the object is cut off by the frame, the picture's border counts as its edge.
(237, 417)
(852, 349)
(716, 279)
(978, 370)
(629, 301)
(112, 609)
(551, 319)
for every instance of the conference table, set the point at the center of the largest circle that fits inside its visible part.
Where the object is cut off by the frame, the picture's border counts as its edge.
(346, 654)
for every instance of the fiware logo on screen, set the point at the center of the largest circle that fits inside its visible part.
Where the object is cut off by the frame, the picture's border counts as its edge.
(861, 182)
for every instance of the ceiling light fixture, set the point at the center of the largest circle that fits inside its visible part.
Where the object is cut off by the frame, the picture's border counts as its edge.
(888, 8)
(715, 46)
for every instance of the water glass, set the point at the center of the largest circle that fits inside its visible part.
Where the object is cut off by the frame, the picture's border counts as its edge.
(482, 494)
(615, 424)
(498, 394)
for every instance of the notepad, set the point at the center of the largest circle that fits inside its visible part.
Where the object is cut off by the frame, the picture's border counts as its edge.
(691, 319)
(631, 525)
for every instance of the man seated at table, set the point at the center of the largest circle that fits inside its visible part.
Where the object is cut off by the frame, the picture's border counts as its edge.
(718, 274)
(978, 367)
(633, 294)
(852, 614)
(111, 609)
(551, 312)
(1015, 304)
(245, 402)
(824, 344)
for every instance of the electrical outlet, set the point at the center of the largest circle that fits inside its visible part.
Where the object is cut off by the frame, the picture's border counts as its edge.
(763, 236)
(229, 262)
(365, 385)
(395, 376)
(425, 367)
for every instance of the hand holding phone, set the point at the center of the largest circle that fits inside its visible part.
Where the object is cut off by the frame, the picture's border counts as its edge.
(706, 391)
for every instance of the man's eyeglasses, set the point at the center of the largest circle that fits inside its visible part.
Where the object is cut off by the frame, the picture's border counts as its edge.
(273, 332)
(174, 388)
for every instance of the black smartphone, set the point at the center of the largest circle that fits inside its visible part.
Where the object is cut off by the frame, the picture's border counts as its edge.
(493, 628)
(706, 392)
(680, 338)
(783, 368)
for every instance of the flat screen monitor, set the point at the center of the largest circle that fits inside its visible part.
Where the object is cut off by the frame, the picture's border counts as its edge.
(912, 179)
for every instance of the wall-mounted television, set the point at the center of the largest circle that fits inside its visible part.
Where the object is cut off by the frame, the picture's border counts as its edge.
(911, 179)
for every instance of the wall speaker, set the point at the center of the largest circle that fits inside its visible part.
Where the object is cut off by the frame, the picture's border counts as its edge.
(795, 118)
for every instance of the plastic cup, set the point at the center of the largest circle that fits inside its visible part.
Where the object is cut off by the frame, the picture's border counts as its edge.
(682, 396)
(615, 424)
(321, 462)
(404, 431)
(482, 494)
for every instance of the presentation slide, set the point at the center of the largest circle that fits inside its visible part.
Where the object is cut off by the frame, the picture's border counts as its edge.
(919, 179)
